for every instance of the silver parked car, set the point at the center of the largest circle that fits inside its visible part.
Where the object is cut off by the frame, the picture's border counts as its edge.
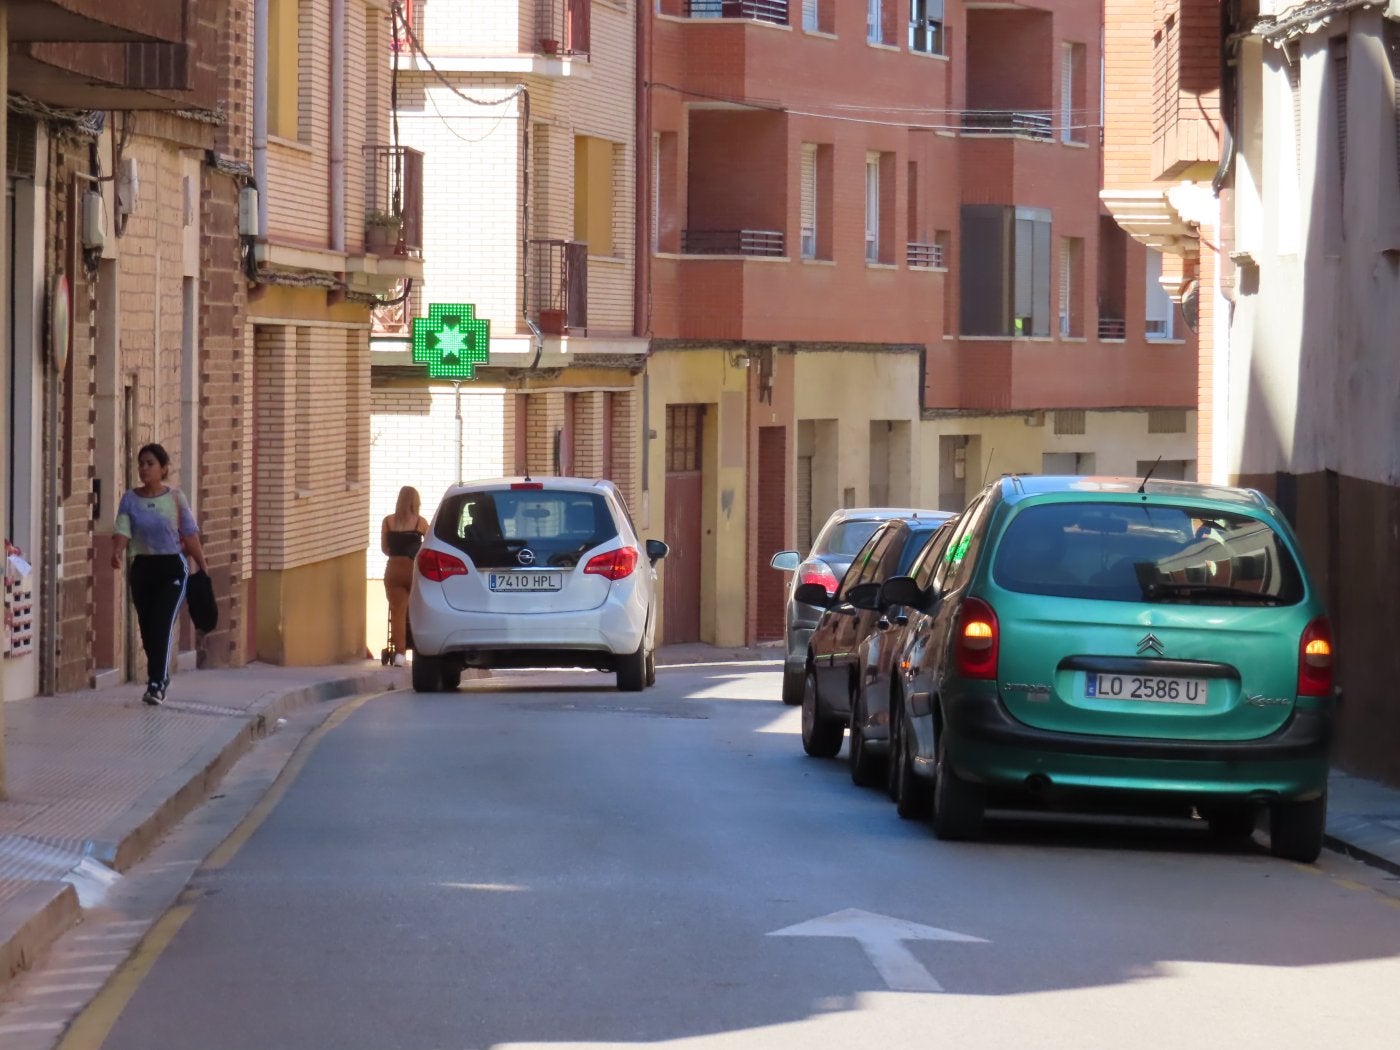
(844, 533)
(534, 572)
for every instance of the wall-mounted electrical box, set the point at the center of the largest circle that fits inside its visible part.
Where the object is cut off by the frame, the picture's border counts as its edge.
(128, 187)
(248, 212)
(94, 221)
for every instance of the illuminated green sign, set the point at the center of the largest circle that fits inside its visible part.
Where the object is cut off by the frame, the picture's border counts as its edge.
(451, 341)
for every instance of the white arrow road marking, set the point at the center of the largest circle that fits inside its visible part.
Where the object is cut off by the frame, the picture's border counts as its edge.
(879, 937)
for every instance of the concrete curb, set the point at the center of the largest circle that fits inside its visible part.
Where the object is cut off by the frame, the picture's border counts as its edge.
(50, 910)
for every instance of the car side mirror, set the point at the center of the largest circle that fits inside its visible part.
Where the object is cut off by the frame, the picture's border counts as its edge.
(864, 596)
(656, 550)
(812, 594)
(787, 561)
(902, 590)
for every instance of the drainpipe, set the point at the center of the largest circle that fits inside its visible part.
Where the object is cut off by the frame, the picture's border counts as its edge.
(536, 336)
(260, 110)
(337, 217)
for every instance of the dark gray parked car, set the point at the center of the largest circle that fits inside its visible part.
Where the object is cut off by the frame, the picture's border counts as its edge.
(844, 533)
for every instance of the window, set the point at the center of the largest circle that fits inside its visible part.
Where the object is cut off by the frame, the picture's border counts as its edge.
(1069, 421)
(1160, 309)
(809, 15)
(1005, 271)
(872, 207)
(1337, 50)
(593, 194)
(879, 22)
(284, 101)
(1071, 282)
(1073, 98)
(926, 26)
(808, 237)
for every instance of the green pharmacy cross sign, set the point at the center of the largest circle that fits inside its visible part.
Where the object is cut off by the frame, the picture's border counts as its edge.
(451, 341)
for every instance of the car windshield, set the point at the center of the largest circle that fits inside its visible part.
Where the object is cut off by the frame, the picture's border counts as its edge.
(494, 527)
(1146, 552)
(845, 538)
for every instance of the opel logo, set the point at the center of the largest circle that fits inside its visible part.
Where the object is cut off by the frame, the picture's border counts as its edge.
(526, 557)
(1151, 641)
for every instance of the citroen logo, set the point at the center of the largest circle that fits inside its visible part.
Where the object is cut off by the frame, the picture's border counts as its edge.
(526, 557)
(1151, 641)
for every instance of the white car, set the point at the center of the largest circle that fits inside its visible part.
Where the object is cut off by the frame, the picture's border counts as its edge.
(533, 572)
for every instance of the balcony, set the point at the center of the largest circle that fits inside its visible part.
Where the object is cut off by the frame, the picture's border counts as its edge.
(557, 286)
(1033, 124)
(563, 27)
(732, 242)
(393, 201)
(774, 12)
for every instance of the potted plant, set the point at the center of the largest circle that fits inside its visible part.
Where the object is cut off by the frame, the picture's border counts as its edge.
(382, 231)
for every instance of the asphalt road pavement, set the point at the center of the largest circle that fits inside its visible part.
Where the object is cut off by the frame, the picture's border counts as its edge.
(541, 861)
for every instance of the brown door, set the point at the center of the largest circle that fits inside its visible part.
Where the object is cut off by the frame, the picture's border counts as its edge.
(684, 495)
(770, 585)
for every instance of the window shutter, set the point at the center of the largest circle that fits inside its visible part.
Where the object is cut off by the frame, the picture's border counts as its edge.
(873, 21)
(872, 207)
(1067, 93)
(1066, 263)
(1022, 277)
(1040, 279)
(809, 201)
(1295, 87)
(656, 192)
(1338, 48)
(809, 15)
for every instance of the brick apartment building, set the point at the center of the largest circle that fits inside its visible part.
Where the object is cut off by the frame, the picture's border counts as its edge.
(155, 210)
(877, 270)
(1263, 148)
(525, 115)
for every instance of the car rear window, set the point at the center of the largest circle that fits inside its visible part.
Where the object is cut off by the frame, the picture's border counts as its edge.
(557, 526)
(845, 537)
(1146, 552)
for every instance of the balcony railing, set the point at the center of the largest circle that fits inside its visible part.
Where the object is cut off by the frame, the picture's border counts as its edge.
(557, 292)
(1113, 328)
(1036, 124)
(732, 242)
(773, 11)
(563, 27)
(394, 189)
(924, 256)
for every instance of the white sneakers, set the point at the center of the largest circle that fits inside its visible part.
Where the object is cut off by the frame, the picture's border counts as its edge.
(399, 660)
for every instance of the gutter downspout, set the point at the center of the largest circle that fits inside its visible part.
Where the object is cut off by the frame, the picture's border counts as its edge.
(337, 172)
(535, 334)
(260, 110)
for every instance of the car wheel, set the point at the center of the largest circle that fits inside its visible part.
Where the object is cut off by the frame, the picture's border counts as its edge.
(427, 673)
(451, 678)
(632, 670)
(958, 804)
(793, 682)
(1296, 829)
(821, 736)
(866, 768)
(651, 667)
(1230, 822)
(912, 798)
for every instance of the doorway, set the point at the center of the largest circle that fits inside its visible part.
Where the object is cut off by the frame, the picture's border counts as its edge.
(685, 430)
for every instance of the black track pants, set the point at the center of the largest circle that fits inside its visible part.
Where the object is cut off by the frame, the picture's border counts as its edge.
(157, 585)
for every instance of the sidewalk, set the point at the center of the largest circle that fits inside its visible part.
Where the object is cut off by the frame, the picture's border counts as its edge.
(95, 778)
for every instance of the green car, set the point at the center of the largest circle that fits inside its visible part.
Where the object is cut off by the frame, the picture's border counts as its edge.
(1105, 640)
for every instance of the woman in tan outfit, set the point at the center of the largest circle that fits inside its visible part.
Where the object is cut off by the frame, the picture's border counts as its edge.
(399, 538)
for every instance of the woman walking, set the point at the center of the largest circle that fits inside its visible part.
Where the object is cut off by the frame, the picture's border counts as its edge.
(399, 539)
(154, 520)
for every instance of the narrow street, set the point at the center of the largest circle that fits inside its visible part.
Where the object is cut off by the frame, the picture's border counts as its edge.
(539, 860)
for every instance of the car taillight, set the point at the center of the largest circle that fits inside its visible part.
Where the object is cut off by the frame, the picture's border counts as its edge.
(436, 566)
(818, 572)
(615, 565)
(1315, 659)
(978, 640)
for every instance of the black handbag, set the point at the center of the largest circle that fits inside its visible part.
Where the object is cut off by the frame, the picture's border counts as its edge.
(199, 594)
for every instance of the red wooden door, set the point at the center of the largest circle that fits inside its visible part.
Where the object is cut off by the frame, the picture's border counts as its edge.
(684, 496)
